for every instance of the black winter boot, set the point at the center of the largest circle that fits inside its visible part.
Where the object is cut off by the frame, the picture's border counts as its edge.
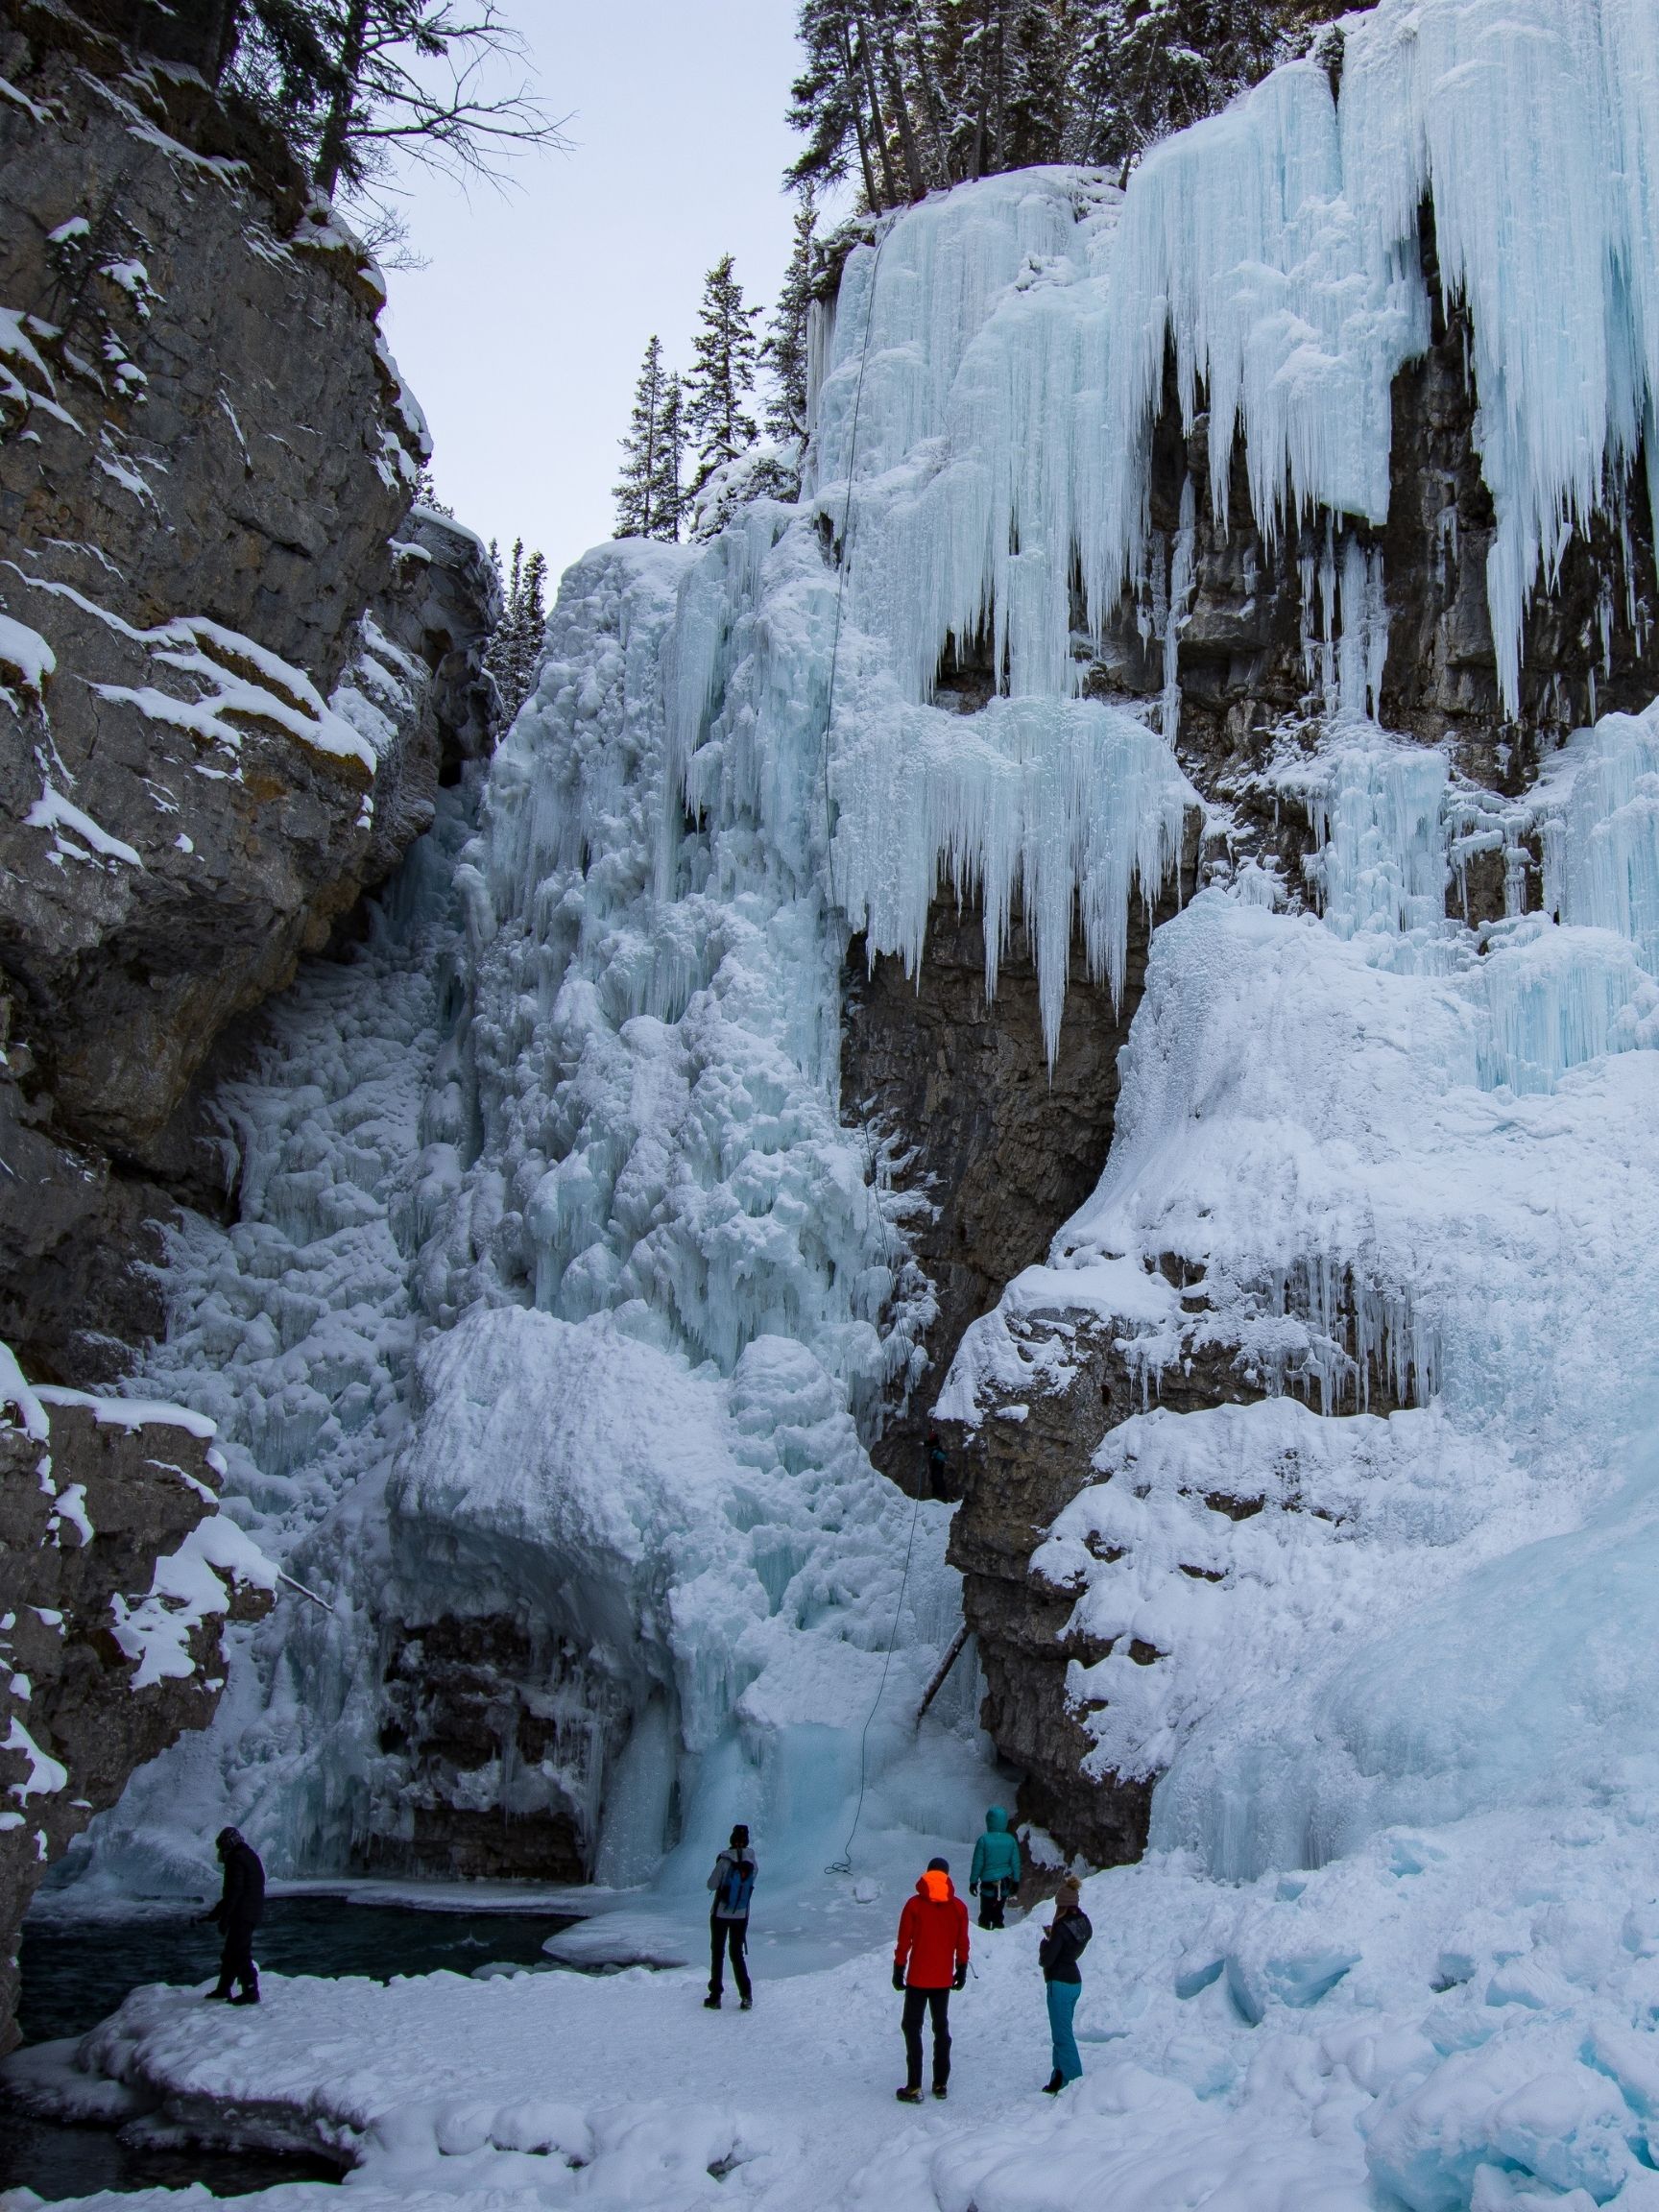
(1055, 2082)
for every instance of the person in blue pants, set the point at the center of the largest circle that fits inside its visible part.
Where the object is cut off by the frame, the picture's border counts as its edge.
(1063, 1941)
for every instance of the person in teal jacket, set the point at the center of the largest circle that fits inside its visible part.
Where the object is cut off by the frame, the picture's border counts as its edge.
(995, 1874)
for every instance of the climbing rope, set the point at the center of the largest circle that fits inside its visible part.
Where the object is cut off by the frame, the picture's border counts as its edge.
(845, 561)
(844, 1865)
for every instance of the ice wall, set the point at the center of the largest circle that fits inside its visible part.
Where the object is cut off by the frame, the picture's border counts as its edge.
(295, 1328)
(622, 1152)
(665, 1271)
(1389, 1151)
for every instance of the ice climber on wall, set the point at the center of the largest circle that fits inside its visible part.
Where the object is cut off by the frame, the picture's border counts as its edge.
(1063, 1941)
(995, 1874)
(929, 1960)
(732, 1883)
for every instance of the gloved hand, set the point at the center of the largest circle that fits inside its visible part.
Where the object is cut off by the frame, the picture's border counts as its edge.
(898, 1976)
(973, 1888)
(959, 1979)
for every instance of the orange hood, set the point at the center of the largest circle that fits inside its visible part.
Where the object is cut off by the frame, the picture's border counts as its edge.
(935, 1886)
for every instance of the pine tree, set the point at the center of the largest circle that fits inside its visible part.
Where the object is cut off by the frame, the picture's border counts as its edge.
(668, 490)
(426, 495)
(637, 488)
(784, 352)
(917, 93)
(720, 383)
(515, 648)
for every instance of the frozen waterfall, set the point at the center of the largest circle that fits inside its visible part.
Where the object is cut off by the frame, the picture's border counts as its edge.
(564, 1293)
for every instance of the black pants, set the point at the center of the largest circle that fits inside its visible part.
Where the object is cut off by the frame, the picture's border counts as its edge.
(236, 1960)
(724, 1935)
(991, 1904)
(916, 2003)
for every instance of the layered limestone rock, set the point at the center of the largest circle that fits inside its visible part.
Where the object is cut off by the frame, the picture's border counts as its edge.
(118, 1577)
(991, 1147)
(496, 1732)
(207, 747)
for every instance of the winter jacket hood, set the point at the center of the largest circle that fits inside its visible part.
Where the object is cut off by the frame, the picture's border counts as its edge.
(932, 1935)
(995, 1853)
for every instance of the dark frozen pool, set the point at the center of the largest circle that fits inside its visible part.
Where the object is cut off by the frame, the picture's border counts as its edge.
(76, 1973)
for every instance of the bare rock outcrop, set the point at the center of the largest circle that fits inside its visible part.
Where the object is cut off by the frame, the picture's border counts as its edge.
(233, 664)
(117, 1577)
(994, 1147)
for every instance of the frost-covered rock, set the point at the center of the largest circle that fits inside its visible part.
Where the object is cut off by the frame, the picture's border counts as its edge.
(118, 1575)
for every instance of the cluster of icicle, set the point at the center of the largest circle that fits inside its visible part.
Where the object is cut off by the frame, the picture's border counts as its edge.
(996, 360)
(981, 447)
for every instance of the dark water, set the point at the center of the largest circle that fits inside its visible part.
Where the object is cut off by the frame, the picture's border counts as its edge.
(76, 1973)
(57, 2161)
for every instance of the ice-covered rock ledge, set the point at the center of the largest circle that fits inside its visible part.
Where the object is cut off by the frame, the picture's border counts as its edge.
(118, 1576)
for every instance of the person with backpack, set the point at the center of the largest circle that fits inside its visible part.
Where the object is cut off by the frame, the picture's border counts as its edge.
(732, 1883)
(995, 1874)
(1064, 1942)
(929, 1960)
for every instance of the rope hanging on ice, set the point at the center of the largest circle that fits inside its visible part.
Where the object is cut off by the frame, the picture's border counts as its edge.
(844, 1865)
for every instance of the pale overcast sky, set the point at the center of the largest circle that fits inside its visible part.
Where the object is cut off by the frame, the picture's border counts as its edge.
(521, 338)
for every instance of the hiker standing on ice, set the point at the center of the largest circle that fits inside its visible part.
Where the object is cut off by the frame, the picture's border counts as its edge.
(929, 1960)
(995, 1874)
(732, 1883)
(240, 1908)
(1063, 1941)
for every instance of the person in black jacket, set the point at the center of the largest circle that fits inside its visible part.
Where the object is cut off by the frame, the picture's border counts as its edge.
(1063, 1941)
(240, 1908)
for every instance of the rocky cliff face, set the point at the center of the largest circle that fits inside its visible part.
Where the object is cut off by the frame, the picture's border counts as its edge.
(959, 1090)
(992, 1146)
(235, 665)
(117, 1579)
(207, 747)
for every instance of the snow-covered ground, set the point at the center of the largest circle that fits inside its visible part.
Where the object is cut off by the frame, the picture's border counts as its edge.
(1456, 2020)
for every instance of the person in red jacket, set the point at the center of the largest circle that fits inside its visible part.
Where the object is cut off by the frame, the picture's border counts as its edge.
(929, 1960)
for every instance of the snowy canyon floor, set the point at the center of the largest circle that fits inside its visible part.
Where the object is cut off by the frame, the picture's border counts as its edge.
(1358, 2037)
